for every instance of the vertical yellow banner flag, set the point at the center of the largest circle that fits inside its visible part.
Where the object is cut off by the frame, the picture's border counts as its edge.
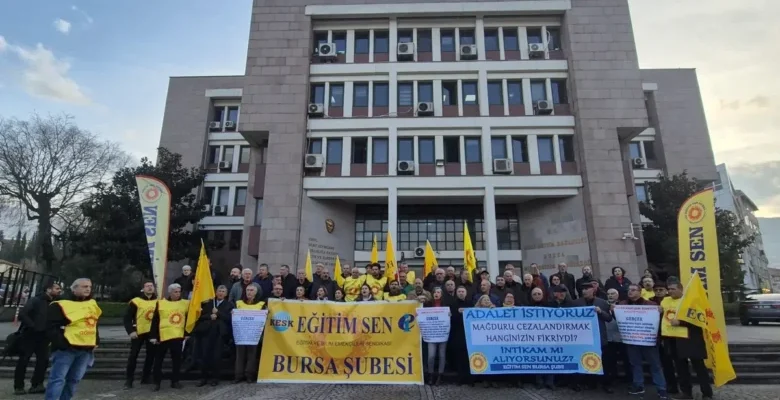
(469, 259)
(391, 268)
(337, 274)
(307, 268)
(155, 199)
(430, 260)
(698, 244)
(374, 252)
(202, 290)
(695, 309)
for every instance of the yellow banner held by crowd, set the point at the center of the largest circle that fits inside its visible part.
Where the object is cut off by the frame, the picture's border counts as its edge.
(155, 199)
(469, 258)
(203, 288)
(695, 309)
(374, 252)
(329, 342)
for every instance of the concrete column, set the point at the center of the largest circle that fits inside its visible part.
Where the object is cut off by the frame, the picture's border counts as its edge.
(501, 43)
(349, 92)
(346, 155)
(370, 98)
(350, 46)
(505, 95)
(438, 145)
(457, 44)
(324, 155)
(533, 154)
(437, 103)
(436, 44)
(416, 155)
(487, 158)
(491, 236)
(528, 103)
(393, 41)
(326, 100)
(460, 98)
(392, 214)
(462, 150)
(393, 93)
(482, 94)
(392, 151)
(369, 155)
(479, 38)
(371, 46)
(557, 155)
(522, 41)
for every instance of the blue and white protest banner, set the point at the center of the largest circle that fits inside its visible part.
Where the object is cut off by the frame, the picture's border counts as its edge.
(533, 340)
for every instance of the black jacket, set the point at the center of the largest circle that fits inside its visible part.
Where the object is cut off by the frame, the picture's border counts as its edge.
(694, 347)
(129, 318)
(222, 326)
(604, 317)
(622, 288)
(582, 280)
(56, 323)
(33, 314)
(329, 285)
(567, 280)
(186, 283)
(289, 284)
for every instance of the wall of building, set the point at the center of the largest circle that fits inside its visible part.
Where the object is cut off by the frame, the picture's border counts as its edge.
(314, 235)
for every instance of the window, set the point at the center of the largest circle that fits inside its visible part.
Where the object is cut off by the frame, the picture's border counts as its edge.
(258, 212)
(473, 150)
(379, 150)
(317, 94)
(243, 157)
(466, 36)
(495, 93)
(381, 94)
(538, 91)
(315, 146)
(447, 40)
(336, 95)
(208, 195)
(559, 94)
(360, 95)
(334, 152)
(213, 156)
(442, 225)
(507, 227)
(425, 92)
(359, 150)
(553, 38)
(340, 40)
(405, 149)
(510, 39)
(514, 92)
(227, 153)
(235, 240)
(451, 149)
(405, 95)
(534, 35)
(498, 147)
(449, 93)
(545, 145)
(240, 197)
(405, 36)
(641, 193)
(232, 115)
(634, 150)
(469, 93)
(370, 222)
(381, 42)
(223, 195)
(219, 112)
(491, 40)
(650, 150)
(424, 42)
(566, 148)
(519, 149)
(426, 151)
(320, 38)
(362, 42)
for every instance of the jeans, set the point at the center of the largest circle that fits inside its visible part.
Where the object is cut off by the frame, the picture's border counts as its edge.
(650, 354)
(434, 348)
(135, 349)
(67, 369)
(32, 343)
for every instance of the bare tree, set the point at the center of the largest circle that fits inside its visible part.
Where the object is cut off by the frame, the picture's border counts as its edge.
(48, 164)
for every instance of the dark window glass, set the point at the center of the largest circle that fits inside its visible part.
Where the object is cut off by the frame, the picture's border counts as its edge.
(641, 193)
(235, 240)
(425, 92)
(519, 149)
(514, 92)
(538, 91)
(317, 94)
(466, 36)
(491, 40)
(359, 150)
(315, 146)
(507, 227)
(379, 149)
(381, 94)
(449, 93)
(495, 94)
(498, 147)
(470, 93)
(426, 150)
(553, 38)
(534, 35)
(381, 42)
(545, 145)
(405, 149)
(405, 36)
(258, 212)
(473, 150)
(424, 44)
(334, 152)
(405, 94)
(240, 197)
(360, 97)
(447, 40)
(208, 195)
(227, 153)
(337, 95)
(370, 222)
(566, 148)
(559, 93)
(232, 115)
(223, 196)
(246, 152)
(633, 149)
(451, 149)
(213, 156)
(442, 225)
(650, 150)
(362, 42)
(320, 38)
(340, 39)
(219, 112)
(510, 39)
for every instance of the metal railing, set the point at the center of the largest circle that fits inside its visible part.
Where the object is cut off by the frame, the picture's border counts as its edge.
(17, 285)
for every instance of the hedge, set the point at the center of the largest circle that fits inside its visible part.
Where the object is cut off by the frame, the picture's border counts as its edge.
(112, 309)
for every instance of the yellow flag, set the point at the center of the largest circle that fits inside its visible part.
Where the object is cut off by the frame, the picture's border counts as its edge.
(469, 259)
(337, 273)
(391, 268)
(695, 309)
(203, 288)
(309, 274)
(374, 252)
(430, 259)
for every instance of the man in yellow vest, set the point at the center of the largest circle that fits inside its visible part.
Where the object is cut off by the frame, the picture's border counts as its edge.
(395, 293)
(73, 331)
(376, 281)
(138, 323)
(353, 284)
(167, 332)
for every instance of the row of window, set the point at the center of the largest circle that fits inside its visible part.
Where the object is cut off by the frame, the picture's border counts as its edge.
(226, 153)
(222, 240)
(426, 149)
(225, 118)
(220, 196)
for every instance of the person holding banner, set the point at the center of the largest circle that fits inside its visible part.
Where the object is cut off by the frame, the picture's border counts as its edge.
(395, 293)
(246, 355)
(538, 300)
(601, 306)
(648, 286)
(457, 339)
(438, 349)
(302, 281)
(375, 280)
(323, 282)
(352, 285)
(213, 329)
(365, 293)
(300, 293)
(168, 333)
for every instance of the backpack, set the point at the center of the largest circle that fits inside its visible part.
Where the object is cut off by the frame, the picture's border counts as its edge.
(13, 345)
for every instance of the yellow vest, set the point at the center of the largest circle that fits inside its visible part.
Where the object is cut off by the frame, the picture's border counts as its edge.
(82, 316)
(377, 286)
(647, 294)
(243, 306)
(352, 287)
(400, 297)
(144, 311)
(670, 306)
(173, 315)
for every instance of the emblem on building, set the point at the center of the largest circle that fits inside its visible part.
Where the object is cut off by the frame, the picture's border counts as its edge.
(330, 225)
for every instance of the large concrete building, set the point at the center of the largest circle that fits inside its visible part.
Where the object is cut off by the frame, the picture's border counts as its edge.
(528, 120)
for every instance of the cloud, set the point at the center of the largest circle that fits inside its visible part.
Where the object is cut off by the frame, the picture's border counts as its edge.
(83, 13)
(62, 25)
(761, 182)
(45, 75)
(755, 102)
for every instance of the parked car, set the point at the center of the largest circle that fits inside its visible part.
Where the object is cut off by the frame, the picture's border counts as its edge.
(760, 308)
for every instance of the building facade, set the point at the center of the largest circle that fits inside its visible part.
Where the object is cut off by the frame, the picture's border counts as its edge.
(753, 259)
(530, 121)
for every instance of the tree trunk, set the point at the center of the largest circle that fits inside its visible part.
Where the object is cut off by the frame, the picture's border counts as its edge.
(44, 233)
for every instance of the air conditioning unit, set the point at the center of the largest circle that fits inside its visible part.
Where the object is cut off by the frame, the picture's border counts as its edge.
(215, 125)
(638, 162)
(419, 252)
(405, 166)
(230, 124)
(468, 51)
(316, 109)
(502, 166)
(313, 161)
(220, 210)
(326, 50)
(224, 165)
(425, 108)
(206, 208)
(536, 49)
(405, 51)
(543, 107)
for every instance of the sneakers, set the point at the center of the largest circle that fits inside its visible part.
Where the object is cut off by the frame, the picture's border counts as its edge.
(663, 396)
(636, 390)
(38, 389)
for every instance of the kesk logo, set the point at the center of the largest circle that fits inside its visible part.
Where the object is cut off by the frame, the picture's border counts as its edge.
(591, 362)
(149, 314)
(406, 322)
(281, 321)
(478, 362)
(90, 320)
(151, 193)
(695, 212)
(176, 318)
